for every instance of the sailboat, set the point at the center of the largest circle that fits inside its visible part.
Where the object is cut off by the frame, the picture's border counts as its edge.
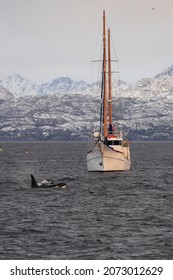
(110, 152)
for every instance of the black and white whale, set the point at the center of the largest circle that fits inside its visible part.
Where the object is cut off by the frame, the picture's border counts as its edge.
(46, 183)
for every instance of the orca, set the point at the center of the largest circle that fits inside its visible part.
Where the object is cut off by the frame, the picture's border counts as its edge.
(46, 183)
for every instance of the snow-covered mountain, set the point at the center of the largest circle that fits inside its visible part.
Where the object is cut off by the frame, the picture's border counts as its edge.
(20, 86)
(144, 111)
(63, 85)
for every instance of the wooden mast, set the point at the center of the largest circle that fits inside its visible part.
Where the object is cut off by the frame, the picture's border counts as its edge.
(109, 82)
(104, 78)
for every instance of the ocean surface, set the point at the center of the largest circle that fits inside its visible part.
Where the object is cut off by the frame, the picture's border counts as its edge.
(112, 215)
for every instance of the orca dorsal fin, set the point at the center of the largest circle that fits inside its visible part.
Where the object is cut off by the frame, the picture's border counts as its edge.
(33, 182)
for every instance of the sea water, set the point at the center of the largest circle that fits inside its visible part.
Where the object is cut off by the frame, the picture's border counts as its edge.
(112, 215)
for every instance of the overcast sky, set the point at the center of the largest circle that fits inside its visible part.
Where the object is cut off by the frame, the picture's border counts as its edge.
(45, 39)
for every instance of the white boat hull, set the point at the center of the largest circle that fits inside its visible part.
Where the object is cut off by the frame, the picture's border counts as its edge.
(104, 158)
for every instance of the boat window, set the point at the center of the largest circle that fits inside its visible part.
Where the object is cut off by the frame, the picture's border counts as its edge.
(114, 142)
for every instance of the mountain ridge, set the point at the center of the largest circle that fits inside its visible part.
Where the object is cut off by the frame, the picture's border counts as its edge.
(20, 86)
(144, 111)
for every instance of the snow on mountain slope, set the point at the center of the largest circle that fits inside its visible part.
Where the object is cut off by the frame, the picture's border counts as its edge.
(67, 116)
(54, 116)
(166, 73)
(5, 94)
